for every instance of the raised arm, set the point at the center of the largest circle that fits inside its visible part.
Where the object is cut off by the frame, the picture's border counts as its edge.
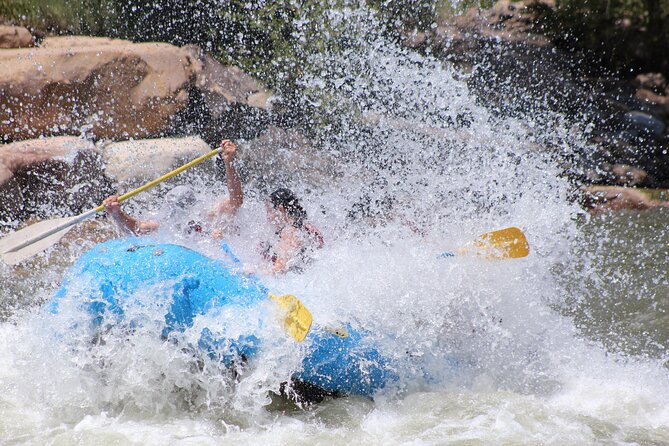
(235, 198)
(125, 221)
(234, 184)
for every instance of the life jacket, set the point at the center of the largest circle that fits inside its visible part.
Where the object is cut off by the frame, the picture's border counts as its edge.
(314, 234)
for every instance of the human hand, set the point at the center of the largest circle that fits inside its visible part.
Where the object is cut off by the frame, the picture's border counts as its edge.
(229, 150)
(112, 205)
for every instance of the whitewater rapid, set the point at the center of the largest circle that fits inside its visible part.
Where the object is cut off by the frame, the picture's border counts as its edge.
(527, 374)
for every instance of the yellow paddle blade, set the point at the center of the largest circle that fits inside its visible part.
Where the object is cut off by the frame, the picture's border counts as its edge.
(502, 244)
(297, 320)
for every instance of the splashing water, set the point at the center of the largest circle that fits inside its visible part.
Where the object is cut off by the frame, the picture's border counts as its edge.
(422, 169)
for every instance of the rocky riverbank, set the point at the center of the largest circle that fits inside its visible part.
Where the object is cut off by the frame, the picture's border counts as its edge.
(524, 73)
(517, 69)
(75, 113)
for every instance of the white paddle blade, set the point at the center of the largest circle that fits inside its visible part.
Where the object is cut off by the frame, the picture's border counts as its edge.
(17, 246)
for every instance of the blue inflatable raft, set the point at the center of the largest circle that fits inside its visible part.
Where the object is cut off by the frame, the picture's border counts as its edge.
(191, 285)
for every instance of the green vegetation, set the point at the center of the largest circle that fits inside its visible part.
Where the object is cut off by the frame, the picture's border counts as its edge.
(60, 16)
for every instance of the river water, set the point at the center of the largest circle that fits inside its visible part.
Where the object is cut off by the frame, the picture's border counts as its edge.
(566, 346)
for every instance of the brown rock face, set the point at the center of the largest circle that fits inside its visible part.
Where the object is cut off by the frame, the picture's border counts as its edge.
(22, 155)
(15, 37)
(107, 88)
(222, 86)
(655, 82)
(653, 98)
(628, 175)
(48, 176)
(136, 162)
(599, 199)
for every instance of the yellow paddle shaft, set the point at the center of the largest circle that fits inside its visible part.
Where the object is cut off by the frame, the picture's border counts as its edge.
(19, 240)
(159, 180)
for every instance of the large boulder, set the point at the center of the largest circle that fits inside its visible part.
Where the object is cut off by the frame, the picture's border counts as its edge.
(598, 199)
(661, 102)
(130, 163)
(44, 177)
(110, 88)
(25, 155)
(656, 82)
(223, 86)
(225, 102)
(15, 37)
(113, 89)
(66, 175)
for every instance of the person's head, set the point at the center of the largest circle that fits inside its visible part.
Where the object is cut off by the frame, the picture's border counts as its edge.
(181, 199)
(287, 205)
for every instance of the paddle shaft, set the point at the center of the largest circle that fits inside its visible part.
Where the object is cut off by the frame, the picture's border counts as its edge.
(53, 230)
(86, 215)
(168, 175)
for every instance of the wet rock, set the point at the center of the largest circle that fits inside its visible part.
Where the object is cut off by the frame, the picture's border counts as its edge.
(222, 86)
(5, 173)
(66, 175)
(50, 176)
(649, 96)
(655, 82)
(15, 37)
(224, 102)
(131, 163)
(508, 21)
(628, 175)
(505, 10)
(599, 199)
(415, 39)
(24, 155)
(107, 88)
(645, 153)
(653, 99)
(115, 89)
(640, 123)
(453, 44)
